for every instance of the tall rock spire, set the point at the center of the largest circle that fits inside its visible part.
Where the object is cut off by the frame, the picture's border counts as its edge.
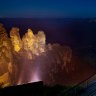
(15, 39)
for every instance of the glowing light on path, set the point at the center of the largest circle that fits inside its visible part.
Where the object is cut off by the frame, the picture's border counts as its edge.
(35, 77)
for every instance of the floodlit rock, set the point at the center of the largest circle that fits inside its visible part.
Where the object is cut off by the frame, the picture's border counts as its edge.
(5, 80)
(3, 36)
(41, 38)
(21, 58)
(15, 39)
(5, 43)
(41, 41)
(28, 40)
(5, 56)
(4, 72)
(34, 42)
(2, 31)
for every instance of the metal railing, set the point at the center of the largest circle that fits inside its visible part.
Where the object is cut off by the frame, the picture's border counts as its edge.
(76, 89)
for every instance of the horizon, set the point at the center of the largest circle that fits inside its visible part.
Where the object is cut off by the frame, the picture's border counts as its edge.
(63, 31)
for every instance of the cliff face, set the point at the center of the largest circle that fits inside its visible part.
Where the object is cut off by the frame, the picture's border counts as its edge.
(6, 59)
(30, 59)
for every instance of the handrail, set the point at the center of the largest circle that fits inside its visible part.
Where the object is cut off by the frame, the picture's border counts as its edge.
(75, 86)
(93, 93)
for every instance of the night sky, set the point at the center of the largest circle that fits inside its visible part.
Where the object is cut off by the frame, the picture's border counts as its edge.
(48, 8)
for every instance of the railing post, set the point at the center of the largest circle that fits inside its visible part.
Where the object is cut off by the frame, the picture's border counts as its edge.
(75, 91)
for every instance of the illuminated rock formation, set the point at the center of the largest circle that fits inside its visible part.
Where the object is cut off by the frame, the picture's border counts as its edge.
(15, 39)
(5, 57)
(28, 40)
(5, 80)
(2, 33)
(34, 43)
(5, 45)
(4, 40)
(20, 58)
(41, 41)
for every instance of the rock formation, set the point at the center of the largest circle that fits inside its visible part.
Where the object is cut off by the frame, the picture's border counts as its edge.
(5, 57)
(18, 54)
(15, 39)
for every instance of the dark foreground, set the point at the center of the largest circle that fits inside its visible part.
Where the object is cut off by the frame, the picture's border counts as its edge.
(38, 89)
